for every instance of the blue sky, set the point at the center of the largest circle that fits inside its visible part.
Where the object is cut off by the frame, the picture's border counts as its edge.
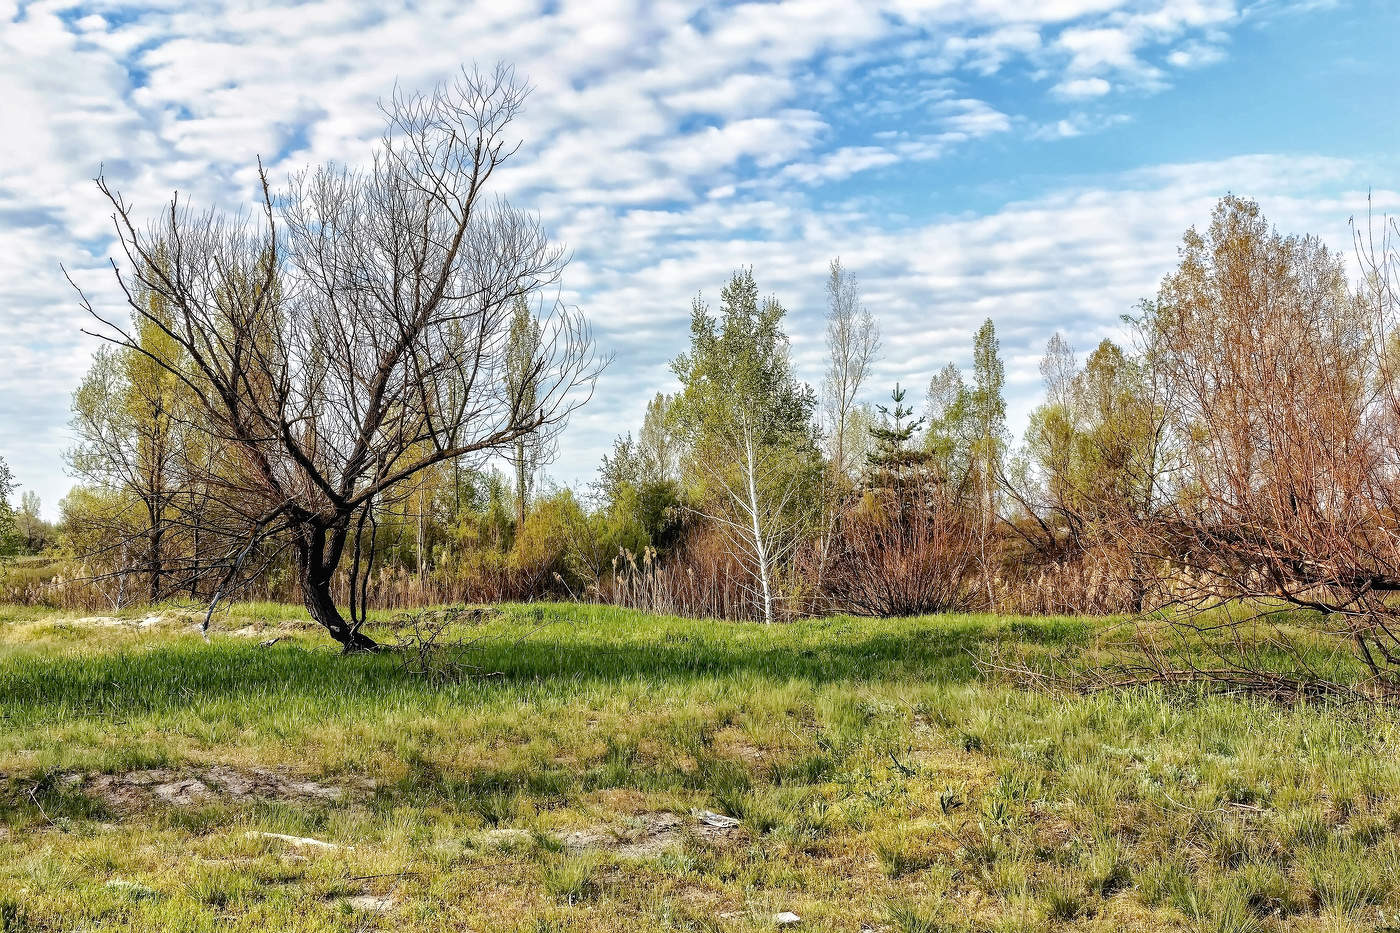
(1032, 161)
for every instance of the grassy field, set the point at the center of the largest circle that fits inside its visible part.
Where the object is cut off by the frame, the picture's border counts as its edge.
(879, 782)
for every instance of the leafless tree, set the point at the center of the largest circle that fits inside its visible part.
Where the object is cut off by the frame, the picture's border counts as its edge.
(853, 342)
(353, 332)
(1285, 395)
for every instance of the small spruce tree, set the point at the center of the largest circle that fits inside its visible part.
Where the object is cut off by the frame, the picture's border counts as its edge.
(894, 461)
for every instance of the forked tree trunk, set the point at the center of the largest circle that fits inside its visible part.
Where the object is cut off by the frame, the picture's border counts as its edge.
(317, 559)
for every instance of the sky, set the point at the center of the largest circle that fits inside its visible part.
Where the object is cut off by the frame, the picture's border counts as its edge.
(1031, 161)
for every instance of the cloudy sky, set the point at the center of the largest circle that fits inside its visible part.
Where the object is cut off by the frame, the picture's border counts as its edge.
(1032, 161)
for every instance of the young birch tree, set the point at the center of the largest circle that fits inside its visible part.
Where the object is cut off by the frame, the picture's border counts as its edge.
(747, 422)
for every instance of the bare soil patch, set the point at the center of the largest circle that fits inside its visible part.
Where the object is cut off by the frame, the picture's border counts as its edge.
(162, 786)
(647, 834)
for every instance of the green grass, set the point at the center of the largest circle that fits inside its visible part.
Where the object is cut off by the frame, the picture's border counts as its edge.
(881, 781)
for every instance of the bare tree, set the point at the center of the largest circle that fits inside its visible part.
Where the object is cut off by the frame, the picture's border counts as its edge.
(1057, 370)
(853, 342)
(354, 333)
(1284, 397)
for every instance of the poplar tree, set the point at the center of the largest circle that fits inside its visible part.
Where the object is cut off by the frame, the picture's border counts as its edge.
(986, 416)
(522, 383)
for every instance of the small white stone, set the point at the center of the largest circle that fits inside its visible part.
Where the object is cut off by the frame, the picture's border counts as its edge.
(301, 841)
(786, 919)
(717, 820)
(372, 903)
(131, 888)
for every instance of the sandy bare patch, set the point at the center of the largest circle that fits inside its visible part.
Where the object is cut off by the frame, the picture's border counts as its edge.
(372, 904)
(300, 842)
(735, 743)
(258, 629)
(185, 620)
(648, 834)
(99, 622)
(163, 786)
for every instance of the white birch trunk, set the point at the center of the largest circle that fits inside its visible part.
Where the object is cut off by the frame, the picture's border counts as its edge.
(760, 545)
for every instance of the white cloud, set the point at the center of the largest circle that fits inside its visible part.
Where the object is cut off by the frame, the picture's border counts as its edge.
(665, 143)
(1078, 88)
(1196, 55)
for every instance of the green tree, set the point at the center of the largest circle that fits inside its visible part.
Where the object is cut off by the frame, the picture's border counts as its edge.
(893, 459)
(657, 441)
(131, 417)
(523, 375)
(947, 414)
(751, 451)
(1093, 455)
(7, 515)
(986, 419)
(30, 526)
(638, 499)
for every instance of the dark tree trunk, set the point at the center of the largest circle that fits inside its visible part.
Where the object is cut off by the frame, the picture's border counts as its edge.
(317, 559)
(155, 564)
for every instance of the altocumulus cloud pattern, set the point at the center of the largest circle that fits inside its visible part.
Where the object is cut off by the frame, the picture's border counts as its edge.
(1031, 161)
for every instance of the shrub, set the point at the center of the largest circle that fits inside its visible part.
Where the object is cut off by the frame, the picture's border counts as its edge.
(903, 550)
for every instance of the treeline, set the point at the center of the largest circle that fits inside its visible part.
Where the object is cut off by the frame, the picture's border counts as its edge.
(748, 494)
(309, 403)
(23, 530)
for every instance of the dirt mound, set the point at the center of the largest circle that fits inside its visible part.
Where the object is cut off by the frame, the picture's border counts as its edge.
(162, 786)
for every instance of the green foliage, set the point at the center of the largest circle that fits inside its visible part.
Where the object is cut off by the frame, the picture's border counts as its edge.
(987, 415)
(1094, 444)
(522, 376)
(948, 416)
(738, 373)
(967, 434)
(136, 423)
(550, 545)
(893, 459)
(8, 540)
(638, 484)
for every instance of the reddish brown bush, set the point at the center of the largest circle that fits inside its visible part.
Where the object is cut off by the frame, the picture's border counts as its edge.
(901, 551)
